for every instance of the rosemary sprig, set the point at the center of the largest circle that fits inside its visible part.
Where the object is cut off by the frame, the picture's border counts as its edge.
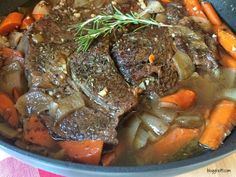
(104, 24)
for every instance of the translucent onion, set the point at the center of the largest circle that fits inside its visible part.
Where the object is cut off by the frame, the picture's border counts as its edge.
(141, 138)
(133, 128)
(166, 114)
(158, 126)
(184, 65)
(191, 121)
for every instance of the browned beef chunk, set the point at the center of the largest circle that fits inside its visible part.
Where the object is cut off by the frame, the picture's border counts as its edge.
(200, 46)
(48, 46)
(85, 123)
(96, 74)
(131, 54)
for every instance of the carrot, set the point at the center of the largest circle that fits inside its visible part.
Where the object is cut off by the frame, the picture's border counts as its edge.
(222, 120)
(8, 110)
(174, 140)
(87, 151)
(35, 132)
(211, 13)
(110, 157)
(194, 8)
(151, 58)
(27, 22)
(227, 60)
(166, 1)
(228, 41)
(183, 98)
(11, 22)
(9, 55)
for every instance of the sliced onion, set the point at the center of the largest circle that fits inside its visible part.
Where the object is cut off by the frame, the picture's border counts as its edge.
(8, 132)
(141, 138)
(158, 126)
(68, 104)
(133, 128)
(229, 94)
(14, 38)
(184, 65)
(189, 121)
(228, 77)
(203, 23)
(166, 114)
(42, 8)
(154, 7)
(12, 76)
(34, 102)
(80, 3)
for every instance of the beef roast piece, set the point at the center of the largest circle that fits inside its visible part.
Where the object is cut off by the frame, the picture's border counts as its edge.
(200, 46)
(85, 123)
(48, 46)
(131, 54)
(96, 74)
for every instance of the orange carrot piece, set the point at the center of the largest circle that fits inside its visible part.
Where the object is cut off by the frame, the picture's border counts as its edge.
(109, 158)
(194, 8)
(8, 110)
(11, 22)
(87, 151)
(35, 132)
(9, 53)
(166, 1)
(151, 58)
(227, 60)
(211, 13)
(27, 22)
(221, 122)
(228, 41)
(169, 144)
(183, 98)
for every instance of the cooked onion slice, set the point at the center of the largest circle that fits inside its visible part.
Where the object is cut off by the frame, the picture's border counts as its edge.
(133, 128)
(141, 138)
(155, 124)
(166, 114)
(189, 121)
(184, 65)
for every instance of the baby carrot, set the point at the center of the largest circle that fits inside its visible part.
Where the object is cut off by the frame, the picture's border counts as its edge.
(11, 22)
(221, 122)
(194, 8)
(211, 13)
(183, 98)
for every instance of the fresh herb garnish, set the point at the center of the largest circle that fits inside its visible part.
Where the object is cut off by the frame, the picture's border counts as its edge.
(102, 25)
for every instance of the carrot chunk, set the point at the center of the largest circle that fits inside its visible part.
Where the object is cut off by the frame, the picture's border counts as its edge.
(228, 41)
(111, 157)
(166, 1)
(221, 122)
(227, 60)
(211, 13)
(8, 110)
(27, 22)
(35, 132)
(168, 145)
(11, 22)
(87, 151)
(183, 98)
(151, 59)
(194, 8)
